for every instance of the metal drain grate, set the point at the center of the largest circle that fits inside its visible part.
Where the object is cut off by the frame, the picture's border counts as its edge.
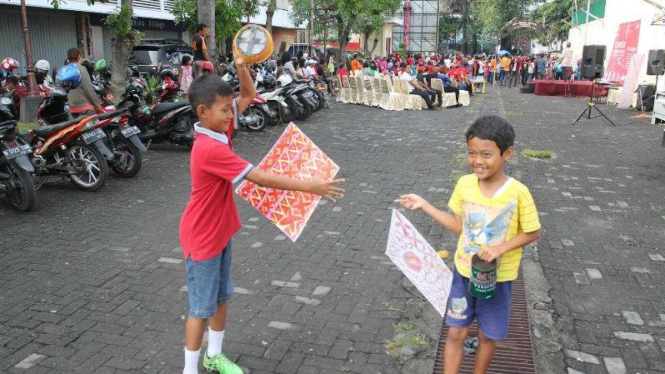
(513, 355)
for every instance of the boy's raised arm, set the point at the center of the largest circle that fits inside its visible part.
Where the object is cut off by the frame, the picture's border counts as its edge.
(451, 222)
(327, 189)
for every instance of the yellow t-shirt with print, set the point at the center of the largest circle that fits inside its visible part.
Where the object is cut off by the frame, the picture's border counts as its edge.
(493, 220)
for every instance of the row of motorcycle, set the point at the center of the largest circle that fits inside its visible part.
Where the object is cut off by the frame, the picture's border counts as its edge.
(86, 148)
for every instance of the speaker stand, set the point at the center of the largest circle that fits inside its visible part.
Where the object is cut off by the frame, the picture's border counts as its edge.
(590, 107)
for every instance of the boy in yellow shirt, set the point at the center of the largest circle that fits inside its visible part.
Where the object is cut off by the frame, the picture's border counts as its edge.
(495, 217)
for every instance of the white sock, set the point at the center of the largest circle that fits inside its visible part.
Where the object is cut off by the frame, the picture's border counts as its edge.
(215, 340)
(191, 362)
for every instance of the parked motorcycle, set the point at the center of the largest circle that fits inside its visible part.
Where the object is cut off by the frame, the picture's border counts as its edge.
(172, 122)
(74, 149)
(16, 185)
(123, 140)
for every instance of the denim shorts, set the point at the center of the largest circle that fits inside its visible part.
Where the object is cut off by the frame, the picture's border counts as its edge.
(492, 314)
(209, 283)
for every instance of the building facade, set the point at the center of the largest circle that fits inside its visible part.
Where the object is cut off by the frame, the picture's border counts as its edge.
(604, 20)
(76, 24)
(424, 27)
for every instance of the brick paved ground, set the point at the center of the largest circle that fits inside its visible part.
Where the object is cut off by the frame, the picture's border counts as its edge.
(95, 282)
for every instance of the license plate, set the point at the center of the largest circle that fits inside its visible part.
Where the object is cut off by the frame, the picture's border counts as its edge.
(15, 152)
(93, 136)
(130, 131)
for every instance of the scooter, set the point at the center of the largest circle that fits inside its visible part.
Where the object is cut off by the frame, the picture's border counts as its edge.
(16, 184)
(172, 122)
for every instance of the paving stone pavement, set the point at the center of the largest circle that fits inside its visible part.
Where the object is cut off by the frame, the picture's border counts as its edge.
(94, 282)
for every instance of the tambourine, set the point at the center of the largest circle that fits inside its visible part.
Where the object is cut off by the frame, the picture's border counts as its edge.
(253, 43)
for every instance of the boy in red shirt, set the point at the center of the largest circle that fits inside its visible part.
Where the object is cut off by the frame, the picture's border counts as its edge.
(211, 219)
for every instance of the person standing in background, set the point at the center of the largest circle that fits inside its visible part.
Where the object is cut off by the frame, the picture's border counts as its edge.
(200, 49)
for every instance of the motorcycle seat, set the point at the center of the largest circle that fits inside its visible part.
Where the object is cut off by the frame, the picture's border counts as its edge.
(45, 131)
(166, 107)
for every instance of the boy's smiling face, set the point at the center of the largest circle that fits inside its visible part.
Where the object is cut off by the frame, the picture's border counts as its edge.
(485, 158)
(218, 116)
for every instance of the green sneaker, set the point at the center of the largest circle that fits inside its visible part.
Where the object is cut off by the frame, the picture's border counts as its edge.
(221, 364)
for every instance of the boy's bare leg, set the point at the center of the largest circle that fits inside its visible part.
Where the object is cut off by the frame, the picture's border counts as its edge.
(218, 321)
(453, 352)
(194, 330)
(484, 353)
(195, 327)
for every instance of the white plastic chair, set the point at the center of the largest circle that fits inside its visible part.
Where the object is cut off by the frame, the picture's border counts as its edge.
(360, 86)
(353, 87)
(464, 98)
(378, 95)
(391, 99)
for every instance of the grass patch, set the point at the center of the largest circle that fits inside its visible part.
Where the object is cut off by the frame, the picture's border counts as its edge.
(405, 326)
(26, 126)
(405, 345)
(540, 154)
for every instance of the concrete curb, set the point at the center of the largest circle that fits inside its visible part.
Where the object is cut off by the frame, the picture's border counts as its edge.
(545, 336)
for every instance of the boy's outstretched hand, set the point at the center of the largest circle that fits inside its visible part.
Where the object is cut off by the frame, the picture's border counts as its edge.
(412, 202)
(327, 189)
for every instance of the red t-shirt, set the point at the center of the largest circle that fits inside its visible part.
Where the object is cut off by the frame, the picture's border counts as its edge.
(211, 219)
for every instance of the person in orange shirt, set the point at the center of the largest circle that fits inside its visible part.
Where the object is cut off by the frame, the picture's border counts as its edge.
(355, 64)
(492, 70)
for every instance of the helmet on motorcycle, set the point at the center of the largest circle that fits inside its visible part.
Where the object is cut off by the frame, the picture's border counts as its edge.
(42, 66)
(100, 65)
(89, 66)
(284, 80)
(99, 87)
(166, 72)
(208, 66)
(68, 76)
(9, 64)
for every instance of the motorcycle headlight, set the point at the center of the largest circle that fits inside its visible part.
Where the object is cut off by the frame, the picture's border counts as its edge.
(5, 101)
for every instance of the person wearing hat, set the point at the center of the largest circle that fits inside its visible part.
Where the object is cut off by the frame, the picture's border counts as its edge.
(310, 71)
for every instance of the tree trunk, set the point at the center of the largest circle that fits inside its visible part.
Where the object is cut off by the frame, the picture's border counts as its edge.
(376, 42)
(207, 15)
(465, 19)
(343, 32)
(270, 12)
(121, 48)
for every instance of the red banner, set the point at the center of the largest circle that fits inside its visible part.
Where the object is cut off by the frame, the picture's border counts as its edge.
(625, 46)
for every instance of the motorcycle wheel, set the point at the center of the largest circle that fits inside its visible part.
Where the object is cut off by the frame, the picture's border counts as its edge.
(308, 110)
(128, 159)
(288, 115)
(21, 196)
(96, 169)
(318, 100)
(263, 119)
(274, 107)
(322, 99)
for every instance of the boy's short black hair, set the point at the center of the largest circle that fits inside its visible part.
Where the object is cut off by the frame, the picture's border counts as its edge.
(493, 128)
(205, 90)
(201, 26)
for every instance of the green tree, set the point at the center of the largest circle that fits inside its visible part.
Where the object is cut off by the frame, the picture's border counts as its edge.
(555, 19)
(448, 27)
(495, 15)
(123, 39)
(228, 16)
(349, 16)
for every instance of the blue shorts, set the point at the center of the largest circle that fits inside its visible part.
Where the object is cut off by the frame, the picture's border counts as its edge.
(492, 314)
(209, 283)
